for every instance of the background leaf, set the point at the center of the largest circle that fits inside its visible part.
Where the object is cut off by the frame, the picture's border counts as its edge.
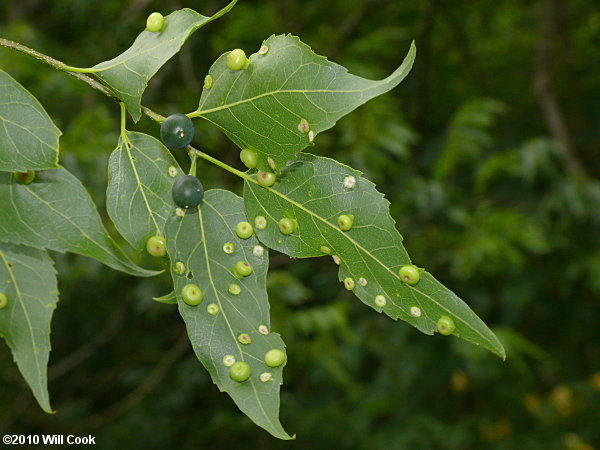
(56, 212)
(138, 198)
(262, 106)
(128, 74)
(197, 240)
(28, 137)
(28, 279)
(313, 192)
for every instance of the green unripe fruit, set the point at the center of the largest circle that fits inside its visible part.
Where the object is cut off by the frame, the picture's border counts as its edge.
(287, 226)
(249, 158)
(236, 60)
(409, 274)
(345, 222)
(274, 358)
(192, 295)
(24, 177)
(155, 22)
(242, 269)
(3, 301)
(240, 371)
(266, 179)
(244, 230)
(187, 192)
(156, 246)
(445, 325)
(177, 131)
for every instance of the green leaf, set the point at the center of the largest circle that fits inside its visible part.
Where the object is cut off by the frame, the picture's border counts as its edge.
(56, 212)
(167, 299)
(197, 240)
(28, 279)
(28, 137)
(314, 192)
(262, 106)
(138, 198)
(128, 74)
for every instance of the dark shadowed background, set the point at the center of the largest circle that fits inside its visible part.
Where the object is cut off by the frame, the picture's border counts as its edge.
(490, 155)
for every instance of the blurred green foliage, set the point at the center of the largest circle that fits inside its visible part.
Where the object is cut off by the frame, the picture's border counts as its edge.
(487, 193)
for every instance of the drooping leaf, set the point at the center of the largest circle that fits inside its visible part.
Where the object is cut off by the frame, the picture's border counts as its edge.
(197, 240)
(314, 192)
(141, 173)
(56, 212)
(28, 280)
(285, 97)
(128, 74)
(28, 137)
(167, 299)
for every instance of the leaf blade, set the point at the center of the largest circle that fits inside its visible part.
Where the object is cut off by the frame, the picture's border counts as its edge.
(128, 74)
(28, 279)
(139, 188)
(278, 90)
(197, 241)
(313, 192)
(28, 137)
(55, 212)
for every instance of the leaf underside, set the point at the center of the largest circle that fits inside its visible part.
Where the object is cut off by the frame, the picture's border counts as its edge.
(28, 137)
(197, 240)
(56, 212)
(312, 191)
(128, 74)
(138, 198)
(262, 106)
(28, 279)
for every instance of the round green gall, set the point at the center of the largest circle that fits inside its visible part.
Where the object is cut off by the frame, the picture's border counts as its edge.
(3, 300)
(179, 268)
(349, 283)
(228, 248)
(24, 177)
(155, 22)
(266, 179)
(274, 358)
(234, 289)
(242, 269)
(156, 246)
(208, 81)
(212, 309)
(345, 222)
(244, 338)
(192, 295)
(249, 157)
(287, 226)
(236, 59)
(187, 192)
(260, 222)
(325, 250)
(409, 274)
(445, 325)
(244, 230)
(177, 131)
(240, 371)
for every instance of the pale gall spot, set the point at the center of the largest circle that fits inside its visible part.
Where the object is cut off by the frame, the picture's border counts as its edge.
(380, 301)
(208, 82)
(311, 136)
(266, 376)
(179, 212)
(172, 171)
(362, 281)
(325, 250)
(263, 50)
(349, 182)
(244, 338)
(228, 248)
(258, 250)
(415, 311)
(235, 289)
(228, 360)
(260, 222)
(303, 126)
(212, 309)
(179, 268)
(336, 259)
(271, 163)
(262, 329)
(349, 283)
